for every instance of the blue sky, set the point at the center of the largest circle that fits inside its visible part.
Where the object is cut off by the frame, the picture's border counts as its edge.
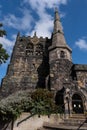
(28, 16)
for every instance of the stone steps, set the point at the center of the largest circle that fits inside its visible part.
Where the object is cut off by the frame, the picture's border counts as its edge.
(49, 126)
(75, 119)
(74, 122)
(78, 116)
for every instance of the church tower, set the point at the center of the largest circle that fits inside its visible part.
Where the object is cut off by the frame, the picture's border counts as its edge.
(60, 59)
(39, 62)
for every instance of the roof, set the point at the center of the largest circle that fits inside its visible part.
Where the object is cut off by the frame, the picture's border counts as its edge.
(80, 67)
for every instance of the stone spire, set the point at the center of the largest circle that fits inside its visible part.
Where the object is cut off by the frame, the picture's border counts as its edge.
(57, 24)
(58, 39)
(59, 47)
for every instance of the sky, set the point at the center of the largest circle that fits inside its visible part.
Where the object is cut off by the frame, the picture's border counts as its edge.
(28, 16)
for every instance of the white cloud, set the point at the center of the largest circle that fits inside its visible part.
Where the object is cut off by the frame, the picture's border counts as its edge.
(44, 3)
(19, 23)
(44, 25)
(82, 44)
(62, 15)
(7, 43)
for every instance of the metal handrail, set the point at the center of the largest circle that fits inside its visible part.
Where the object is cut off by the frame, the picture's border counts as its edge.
(25, 119)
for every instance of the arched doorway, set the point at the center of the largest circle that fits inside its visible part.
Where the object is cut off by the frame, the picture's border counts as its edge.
(59, 99)
(77, 104)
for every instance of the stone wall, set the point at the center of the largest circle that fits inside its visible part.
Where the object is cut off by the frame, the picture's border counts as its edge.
(35, 122)
(29, 65)
(60, 72)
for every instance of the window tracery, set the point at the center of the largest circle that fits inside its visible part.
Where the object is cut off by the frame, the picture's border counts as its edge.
(39, 49)
(29, 49)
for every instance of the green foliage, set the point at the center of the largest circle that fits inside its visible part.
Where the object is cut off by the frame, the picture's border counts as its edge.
(12, 106)
(43, 101)
(42, 95)
(38, 102)
(2, 32)
(3, 54)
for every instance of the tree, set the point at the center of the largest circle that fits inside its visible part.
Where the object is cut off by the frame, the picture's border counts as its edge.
(3, 54)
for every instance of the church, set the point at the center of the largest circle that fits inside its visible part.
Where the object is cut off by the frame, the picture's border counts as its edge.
(47, 63)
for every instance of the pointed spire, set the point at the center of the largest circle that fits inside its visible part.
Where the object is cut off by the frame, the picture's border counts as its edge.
(57, 23)
(58, 39)
(59, 46)
(56, 14)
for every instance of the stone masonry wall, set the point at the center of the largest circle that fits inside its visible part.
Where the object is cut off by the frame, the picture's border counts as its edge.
(27, 71)
(60, 72)
(35, 122)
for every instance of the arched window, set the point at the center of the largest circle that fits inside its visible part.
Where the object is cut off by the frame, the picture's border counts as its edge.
(62, 54)
(39, 49)
(29, 49)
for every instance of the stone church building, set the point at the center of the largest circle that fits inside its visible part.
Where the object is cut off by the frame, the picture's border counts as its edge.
(47, 63)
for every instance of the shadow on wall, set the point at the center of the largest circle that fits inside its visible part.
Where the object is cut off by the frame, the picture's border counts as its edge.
(43, 73)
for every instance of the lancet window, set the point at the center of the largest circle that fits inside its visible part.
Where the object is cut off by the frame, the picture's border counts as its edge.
(62, 54)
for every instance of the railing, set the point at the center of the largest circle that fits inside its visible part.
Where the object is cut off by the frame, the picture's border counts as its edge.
(85, 121)
(25, 119)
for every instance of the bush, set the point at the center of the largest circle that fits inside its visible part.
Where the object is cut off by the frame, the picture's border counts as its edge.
(43, 102)
(38, 102)
(12, 106)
